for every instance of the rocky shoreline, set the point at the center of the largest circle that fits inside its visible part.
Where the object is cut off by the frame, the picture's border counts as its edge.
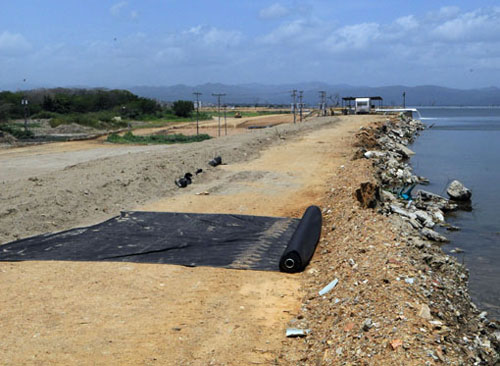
(399, 299)
(416, 219)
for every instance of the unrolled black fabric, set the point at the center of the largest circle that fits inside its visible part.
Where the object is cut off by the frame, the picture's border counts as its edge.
(230, 241)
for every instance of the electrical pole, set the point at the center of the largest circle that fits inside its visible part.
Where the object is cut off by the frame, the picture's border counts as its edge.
(225, 120)
(24, 103)
(218, 95)
(294, 104)
(197, 94)
(301, 95)
(322, 105)
(404, 100)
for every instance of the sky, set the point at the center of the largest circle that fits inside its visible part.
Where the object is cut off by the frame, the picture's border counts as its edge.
(101, 43)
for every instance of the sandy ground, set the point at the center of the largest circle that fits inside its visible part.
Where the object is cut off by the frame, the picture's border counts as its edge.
(115, 313)
(26, 162)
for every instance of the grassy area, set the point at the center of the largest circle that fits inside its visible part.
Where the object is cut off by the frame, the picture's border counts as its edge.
(17, 130)
(130, 138)
(170, 117)
(31, 124)
(231, 113)
(110, 120)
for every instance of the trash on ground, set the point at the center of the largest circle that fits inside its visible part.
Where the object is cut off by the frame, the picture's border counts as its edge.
(328, 287)
(295, 332)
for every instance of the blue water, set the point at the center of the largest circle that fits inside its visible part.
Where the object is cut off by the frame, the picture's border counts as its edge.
(464, 144)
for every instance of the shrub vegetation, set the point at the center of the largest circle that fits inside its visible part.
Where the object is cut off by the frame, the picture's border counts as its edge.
(130, 138)
(98, 108)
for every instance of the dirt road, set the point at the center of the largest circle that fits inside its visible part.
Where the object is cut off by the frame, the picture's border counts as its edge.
(136, 314)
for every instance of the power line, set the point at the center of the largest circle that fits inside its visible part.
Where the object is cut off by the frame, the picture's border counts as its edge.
(197, 112)
(218, 95)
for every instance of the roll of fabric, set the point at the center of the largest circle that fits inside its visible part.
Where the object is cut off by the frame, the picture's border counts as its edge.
(303, 243)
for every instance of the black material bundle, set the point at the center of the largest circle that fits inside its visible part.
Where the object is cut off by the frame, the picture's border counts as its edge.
(301, 247)
(183, 182)
(215, 161)
(230, 241)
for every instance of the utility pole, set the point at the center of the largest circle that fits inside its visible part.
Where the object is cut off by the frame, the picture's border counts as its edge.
(24, 103)
(404, 99)
(218, 95)
(301, 95)
(197, 94)
(225, 120)
(294, 104)
(322, 104)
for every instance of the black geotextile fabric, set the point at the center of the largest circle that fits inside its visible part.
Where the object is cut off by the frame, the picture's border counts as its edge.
(218, 240)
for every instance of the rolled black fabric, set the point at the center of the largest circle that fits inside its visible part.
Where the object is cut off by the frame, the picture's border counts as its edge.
(303, 243)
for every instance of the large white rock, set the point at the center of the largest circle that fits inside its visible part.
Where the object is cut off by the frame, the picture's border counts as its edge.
(374, 154)
(458, 192)
(400, 211)
(403, 150)
(432, 235)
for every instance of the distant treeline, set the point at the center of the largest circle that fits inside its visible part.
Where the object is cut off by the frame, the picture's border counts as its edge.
(49, 103)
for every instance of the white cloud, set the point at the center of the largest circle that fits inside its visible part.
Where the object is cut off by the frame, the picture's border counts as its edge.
(116, 9)
(478, 25)
(295, 32)
(274, 11)
(407, 23)
(210, 36)
(12, 44)
(448, 11)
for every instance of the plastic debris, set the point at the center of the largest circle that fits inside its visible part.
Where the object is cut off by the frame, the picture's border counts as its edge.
(295, 332)
(328, 287)
(184, 181)
(215, 161)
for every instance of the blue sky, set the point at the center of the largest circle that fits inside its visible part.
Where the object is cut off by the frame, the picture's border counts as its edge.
(165, 42)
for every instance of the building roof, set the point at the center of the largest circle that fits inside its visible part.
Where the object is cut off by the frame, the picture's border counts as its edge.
(354, 98)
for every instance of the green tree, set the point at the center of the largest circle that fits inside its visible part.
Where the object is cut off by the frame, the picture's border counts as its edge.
(4, 112)
(183, 108)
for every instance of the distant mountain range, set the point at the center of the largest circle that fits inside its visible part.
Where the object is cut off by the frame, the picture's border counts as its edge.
(426, 95)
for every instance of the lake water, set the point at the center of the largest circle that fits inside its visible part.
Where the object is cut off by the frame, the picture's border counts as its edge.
(464, 144)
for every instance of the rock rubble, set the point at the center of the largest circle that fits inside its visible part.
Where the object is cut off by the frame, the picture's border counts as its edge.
(399, 299)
